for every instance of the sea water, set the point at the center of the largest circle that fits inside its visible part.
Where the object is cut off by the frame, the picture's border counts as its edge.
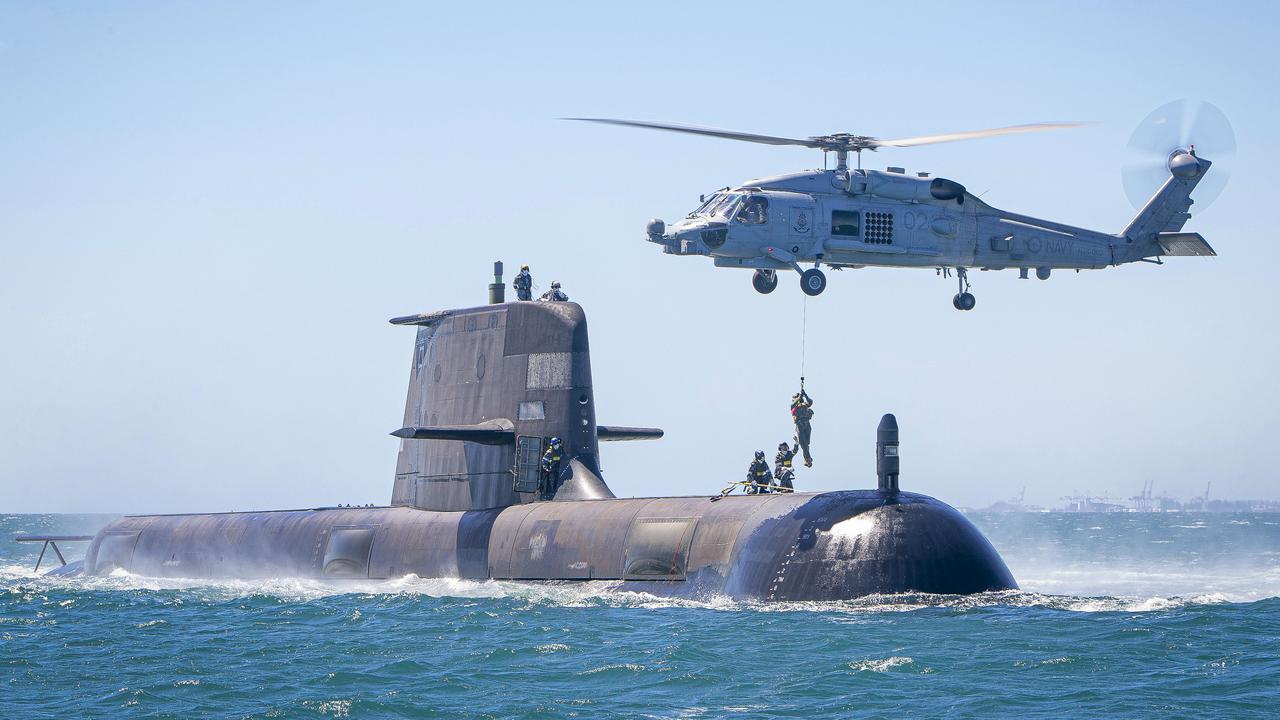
(1119, 615)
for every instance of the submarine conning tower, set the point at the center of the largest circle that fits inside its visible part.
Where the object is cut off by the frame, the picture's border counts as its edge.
(489, 387)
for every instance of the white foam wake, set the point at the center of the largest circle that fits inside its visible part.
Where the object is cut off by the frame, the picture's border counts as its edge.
(1037, 592)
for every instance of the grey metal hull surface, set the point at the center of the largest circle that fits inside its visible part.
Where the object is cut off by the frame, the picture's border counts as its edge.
(801, 546)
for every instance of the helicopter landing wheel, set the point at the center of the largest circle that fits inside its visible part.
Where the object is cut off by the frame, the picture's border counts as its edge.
(764, 281)
(813, 282)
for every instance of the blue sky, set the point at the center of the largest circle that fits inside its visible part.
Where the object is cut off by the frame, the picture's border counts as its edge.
(208, 212)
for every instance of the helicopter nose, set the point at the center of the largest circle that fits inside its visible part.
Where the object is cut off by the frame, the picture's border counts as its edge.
(655, 231)
(682, 238)
(691, 238)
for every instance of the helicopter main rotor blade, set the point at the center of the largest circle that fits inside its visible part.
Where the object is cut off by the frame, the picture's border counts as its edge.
(696, 130)
(975, 134)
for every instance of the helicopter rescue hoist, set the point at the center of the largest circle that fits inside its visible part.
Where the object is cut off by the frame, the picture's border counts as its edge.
(850, 217)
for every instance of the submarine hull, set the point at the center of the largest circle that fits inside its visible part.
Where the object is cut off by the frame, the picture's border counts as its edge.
(775, 547)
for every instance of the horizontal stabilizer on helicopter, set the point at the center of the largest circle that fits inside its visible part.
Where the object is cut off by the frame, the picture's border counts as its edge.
(1185, 244)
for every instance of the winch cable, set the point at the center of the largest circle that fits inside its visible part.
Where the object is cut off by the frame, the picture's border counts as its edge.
(804, 328)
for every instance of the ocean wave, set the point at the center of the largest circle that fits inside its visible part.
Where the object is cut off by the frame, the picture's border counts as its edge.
(887, 665)
(909, 602)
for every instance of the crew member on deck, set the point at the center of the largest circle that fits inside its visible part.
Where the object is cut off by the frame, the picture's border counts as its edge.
(523, 284)
(551, 467)
(787, 480)
(758, 475)
(782, 461)
(555, 294)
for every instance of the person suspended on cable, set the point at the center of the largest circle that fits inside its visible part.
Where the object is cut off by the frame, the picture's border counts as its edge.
(523, 284)
(758, 475)
(802, 413)
(555, 294)
(800, 398)
(782, 460)
(551, 467)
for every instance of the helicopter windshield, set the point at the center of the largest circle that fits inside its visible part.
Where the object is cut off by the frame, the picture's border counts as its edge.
(711, 200)
(724, 206)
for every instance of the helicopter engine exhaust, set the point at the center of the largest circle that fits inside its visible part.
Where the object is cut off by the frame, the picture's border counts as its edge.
(897, 187)
(943, 189)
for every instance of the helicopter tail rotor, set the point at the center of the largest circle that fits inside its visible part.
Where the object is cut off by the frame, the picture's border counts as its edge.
(1169, 140)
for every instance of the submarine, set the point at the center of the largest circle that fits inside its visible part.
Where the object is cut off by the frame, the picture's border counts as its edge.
(489, 386)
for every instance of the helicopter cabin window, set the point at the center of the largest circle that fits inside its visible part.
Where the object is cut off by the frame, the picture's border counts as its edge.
(844, 222)
(755, 211)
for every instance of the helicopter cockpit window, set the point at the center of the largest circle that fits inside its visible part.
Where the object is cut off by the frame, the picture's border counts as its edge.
(844, 222)
(706, 205)
(725, 205)
(755, 211)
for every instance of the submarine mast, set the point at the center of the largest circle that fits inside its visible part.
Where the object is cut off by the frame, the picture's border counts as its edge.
(887, 455)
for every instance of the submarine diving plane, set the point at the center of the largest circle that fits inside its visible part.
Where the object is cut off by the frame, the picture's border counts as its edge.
(489, 386)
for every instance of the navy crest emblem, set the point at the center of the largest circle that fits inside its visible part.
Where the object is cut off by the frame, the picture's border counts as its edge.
(802, 223)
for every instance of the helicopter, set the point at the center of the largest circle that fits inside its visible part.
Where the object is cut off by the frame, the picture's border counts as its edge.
(854, 218)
